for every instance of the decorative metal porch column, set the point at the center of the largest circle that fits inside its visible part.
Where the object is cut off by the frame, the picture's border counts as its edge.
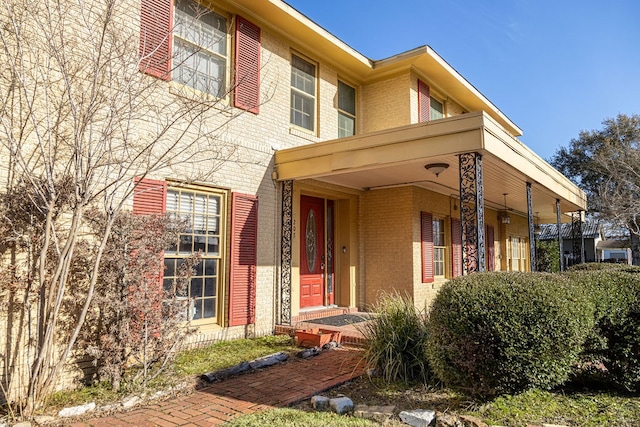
(559, 227)
(577, 236)
(532, 235)
(472, 213)
(285, 261)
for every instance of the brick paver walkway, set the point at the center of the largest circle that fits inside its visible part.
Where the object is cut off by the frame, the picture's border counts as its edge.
(276, 386)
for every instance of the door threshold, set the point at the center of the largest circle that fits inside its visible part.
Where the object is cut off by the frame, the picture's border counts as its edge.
(318, 308)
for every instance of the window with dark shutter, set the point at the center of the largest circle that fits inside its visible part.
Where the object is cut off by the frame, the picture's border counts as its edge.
(424, 102)
(247, 66)
(204, 210)
(149, 197)
(156, 22)
(456, 248)
(244, 258)
(426, 220)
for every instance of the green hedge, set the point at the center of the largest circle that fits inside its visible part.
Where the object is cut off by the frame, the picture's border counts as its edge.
(493, 333)
(604, 266)
(615, 340)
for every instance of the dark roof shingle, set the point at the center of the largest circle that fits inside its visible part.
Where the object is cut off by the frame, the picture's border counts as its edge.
(590, 230)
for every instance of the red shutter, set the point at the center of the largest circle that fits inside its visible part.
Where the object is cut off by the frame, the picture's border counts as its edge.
(156, 24)
(247, 90)
(424, 102)
(244, 258)
(491, 248)
(456, 248)
(149, 197)
(426, 220)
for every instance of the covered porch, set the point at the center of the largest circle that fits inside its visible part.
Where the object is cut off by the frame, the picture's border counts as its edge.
(382, 190)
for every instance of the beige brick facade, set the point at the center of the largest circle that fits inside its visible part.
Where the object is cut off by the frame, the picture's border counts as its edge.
(387, 103)
(386, 218)
(377, 231)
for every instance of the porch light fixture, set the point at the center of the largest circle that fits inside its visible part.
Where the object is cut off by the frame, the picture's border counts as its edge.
(506, 219)
(436, 168)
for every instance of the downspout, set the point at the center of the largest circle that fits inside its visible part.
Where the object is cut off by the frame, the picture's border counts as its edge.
(276, 253)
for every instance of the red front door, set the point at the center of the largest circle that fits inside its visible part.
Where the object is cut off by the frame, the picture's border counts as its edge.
(312, 260)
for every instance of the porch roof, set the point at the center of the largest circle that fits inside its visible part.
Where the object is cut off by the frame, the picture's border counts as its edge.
(398, 156)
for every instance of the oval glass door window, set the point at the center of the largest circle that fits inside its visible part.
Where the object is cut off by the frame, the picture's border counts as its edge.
(311, 236)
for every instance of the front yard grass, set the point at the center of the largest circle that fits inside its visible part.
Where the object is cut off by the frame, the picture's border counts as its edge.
(587, 409)
(535, 407)
(187, 366)
(229, 353)
(568, 407)
(289, 417)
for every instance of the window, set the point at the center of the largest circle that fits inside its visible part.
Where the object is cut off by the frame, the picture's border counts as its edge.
(490, 246)
(517, 254)
(200, 48)
(303, 93)
(437, 109)
(439, 248)
(204, 213)
(435, 260)
(346, 110)
(429, 108)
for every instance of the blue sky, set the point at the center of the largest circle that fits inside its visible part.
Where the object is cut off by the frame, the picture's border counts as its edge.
(554, 67)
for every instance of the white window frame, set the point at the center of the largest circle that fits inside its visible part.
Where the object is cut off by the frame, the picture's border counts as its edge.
(198, 47)
(304, 92)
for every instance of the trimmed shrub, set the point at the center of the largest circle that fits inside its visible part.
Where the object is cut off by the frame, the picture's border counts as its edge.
(606, 266)
(396, 340)
(494, 333)
(547, 256)
(615, 340)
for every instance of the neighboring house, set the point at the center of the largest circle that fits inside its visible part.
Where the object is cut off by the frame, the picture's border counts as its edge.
(586, 238)
(351, 176)
(615, 250)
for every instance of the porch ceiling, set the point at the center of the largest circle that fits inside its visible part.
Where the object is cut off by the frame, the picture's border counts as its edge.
(397, 157)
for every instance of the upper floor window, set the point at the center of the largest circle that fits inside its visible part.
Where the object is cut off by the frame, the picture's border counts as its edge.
(303, 93)
(429, 108)
(346, 110)
(437, 109)
(200, 48)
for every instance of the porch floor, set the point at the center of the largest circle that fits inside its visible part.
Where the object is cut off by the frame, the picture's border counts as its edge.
(351, 332)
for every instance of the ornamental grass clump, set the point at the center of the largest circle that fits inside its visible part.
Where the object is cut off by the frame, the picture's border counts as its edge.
(396, 340)
(495, 333)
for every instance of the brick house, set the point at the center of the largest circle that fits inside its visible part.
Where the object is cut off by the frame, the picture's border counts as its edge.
(349, 176)
(393, 174)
